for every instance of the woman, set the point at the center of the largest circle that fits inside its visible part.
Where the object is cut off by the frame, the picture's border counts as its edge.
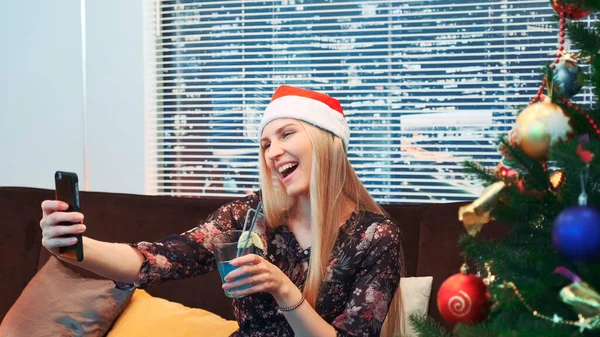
(333, 259)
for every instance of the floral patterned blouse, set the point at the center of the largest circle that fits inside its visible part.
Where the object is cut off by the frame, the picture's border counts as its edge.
(361, 278)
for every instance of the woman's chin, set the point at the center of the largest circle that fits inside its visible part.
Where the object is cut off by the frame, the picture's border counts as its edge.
(296, 191)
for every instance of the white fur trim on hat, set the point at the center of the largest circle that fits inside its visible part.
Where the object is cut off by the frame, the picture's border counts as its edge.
(308, 110)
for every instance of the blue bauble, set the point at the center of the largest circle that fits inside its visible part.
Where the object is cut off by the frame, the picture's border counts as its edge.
(576, 234)
(568, 78)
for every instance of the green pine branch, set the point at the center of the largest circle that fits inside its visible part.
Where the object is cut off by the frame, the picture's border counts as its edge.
(585, 39)
(427, 327)
(479, 172)
(589, 4)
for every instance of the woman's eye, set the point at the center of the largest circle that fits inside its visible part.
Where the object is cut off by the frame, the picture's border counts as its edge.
(286, 134)
(266, 145)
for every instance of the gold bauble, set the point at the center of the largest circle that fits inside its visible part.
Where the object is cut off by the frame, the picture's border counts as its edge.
(539, 127)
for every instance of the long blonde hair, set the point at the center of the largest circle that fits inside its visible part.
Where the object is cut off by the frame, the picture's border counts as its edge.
(333, 180)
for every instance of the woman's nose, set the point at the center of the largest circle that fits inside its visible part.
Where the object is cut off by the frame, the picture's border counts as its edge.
(274, 151)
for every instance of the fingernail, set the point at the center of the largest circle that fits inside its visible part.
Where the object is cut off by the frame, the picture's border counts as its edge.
(81, 228)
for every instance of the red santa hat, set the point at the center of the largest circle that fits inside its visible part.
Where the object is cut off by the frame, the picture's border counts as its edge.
(309, 106)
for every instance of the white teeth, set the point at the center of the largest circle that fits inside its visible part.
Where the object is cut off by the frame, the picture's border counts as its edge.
(286, 166)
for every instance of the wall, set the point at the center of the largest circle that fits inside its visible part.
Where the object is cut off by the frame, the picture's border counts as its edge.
(43, 124)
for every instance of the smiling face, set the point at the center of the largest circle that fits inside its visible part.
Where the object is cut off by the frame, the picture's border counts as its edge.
(288, 153)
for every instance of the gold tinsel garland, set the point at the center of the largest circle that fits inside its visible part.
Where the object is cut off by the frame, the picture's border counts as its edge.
(592, 322)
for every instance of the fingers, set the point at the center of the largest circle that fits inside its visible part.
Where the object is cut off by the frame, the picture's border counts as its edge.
(53, 237)
(253, 283)
(58, 242)
(51, 206)
(53, 234)
(58, 217)
(246, 270)
(60, 231)
(244, 280)
(246, 259)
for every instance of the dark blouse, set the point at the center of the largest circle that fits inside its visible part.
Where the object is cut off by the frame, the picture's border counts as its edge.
(361, 278)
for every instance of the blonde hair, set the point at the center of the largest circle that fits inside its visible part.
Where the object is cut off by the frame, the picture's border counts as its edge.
(333, 180)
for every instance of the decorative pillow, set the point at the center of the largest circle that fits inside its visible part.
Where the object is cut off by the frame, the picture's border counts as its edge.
(415, 293)
(147, 316)
(58, 301)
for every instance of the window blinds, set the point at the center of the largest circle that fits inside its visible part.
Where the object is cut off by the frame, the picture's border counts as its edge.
(425, 85)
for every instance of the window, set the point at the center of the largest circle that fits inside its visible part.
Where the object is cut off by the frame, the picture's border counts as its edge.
(425, 85)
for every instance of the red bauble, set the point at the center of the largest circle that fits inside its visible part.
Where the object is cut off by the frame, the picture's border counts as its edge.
(573, 9)
(463, 299)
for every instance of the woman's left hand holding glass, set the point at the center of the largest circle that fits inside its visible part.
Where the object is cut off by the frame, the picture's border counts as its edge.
(264, 277)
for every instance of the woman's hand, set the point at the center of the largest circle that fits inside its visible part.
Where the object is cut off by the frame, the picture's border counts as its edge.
(52, 233)
(264, 277)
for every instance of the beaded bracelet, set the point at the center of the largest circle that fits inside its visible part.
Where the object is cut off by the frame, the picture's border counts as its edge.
(281, 310)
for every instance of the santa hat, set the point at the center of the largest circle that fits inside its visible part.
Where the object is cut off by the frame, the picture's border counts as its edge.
(308, 106)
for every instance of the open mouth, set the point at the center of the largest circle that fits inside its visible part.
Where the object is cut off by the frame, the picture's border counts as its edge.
(287, 169)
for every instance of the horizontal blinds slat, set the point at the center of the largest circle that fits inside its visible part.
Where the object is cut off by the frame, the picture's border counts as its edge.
(381, 200)
(404, 153)
(393, 26)
(422, 120)
(298, 60)
(372, 80)
(378, 163)
(222, 49)
(196, 179)
(405, 176)
(255, 11)
(340, 45)
(251, 186)
(351, 110)
(389, 99)
(222, 27)
(366, 135)
(354, 159)
(252, 173)
(375, 135)
(189, 181)
(388, 63)
(164, 6)
(401, 23)
(352, 120)
(379, 92)
(269, 56)
(253, 115)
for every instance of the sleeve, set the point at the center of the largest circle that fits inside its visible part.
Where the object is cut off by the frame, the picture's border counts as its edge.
(187, 254)
(378, 277)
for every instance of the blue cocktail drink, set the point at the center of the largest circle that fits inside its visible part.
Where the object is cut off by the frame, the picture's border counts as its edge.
(228, 246)
(226, 268)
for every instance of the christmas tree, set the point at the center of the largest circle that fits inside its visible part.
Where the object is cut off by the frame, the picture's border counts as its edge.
(543, 278)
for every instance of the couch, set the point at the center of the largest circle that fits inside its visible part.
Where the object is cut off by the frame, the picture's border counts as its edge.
(430, 235)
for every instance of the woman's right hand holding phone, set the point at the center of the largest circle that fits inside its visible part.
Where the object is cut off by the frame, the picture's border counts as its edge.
(52, 232)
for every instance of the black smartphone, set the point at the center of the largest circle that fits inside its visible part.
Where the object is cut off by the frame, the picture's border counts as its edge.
(67, 190)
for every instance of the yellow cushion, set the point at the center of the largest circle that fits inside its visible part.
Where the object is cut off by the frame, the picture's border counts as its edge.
(147, 316)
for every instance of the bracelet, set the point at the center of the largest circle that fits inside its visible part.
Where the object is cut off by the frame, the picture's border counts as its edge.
(281, 310)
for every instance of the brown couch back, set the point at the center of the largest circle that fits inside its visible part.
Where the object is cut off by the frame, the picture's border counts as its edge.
(430, 239)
